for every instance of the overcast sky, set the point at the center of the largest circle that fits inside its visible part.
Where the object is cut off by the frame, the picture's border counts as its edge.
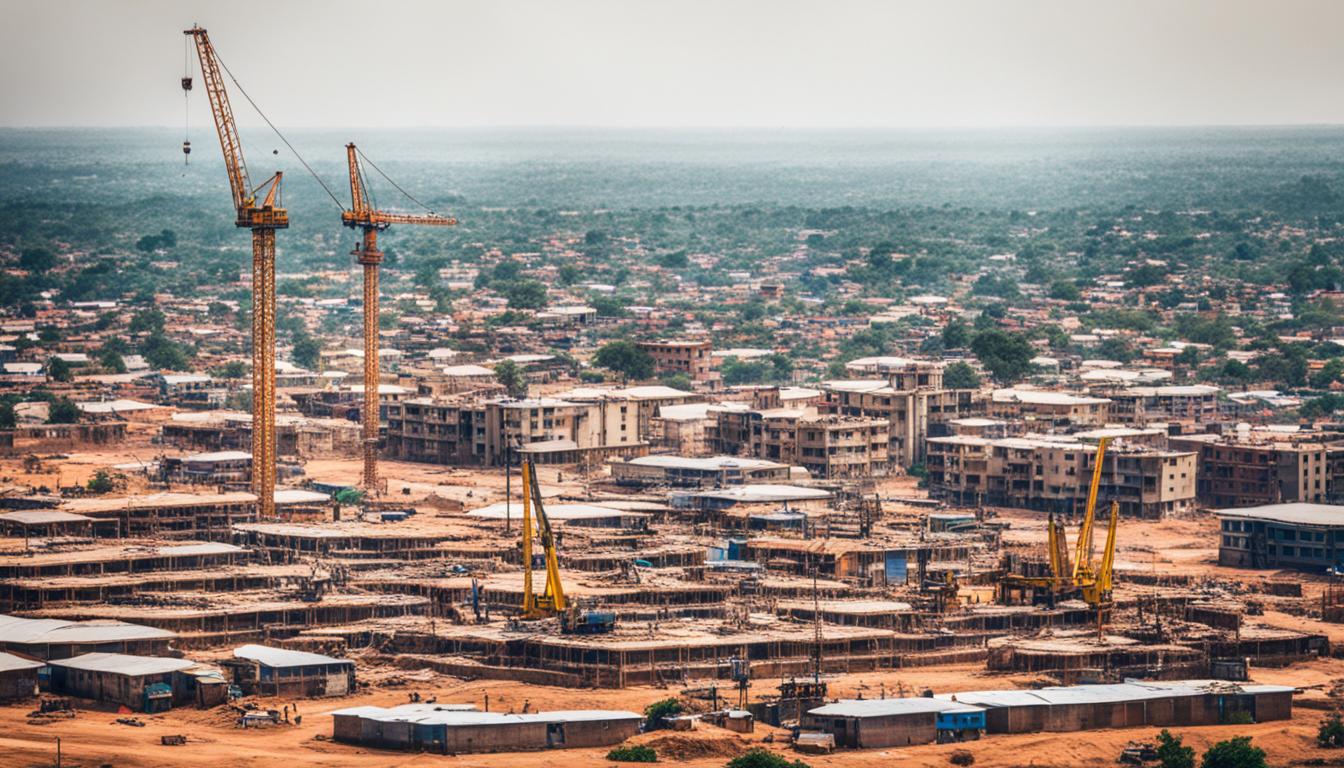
(683, 62)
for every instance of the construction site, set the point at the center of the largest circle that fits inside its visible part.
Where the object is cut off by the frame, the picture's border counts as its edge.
(776, 561)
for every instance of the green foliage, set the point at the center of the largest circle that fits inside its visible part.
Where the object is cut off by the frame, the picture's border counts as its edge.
(526, 294)
(8, 420)
(348, 497)
(1065, 290)
(656, 714)
(1007, 356)
(166, 238)
(510, 375)
(1328, 374)
(960, 375)
(1000, 286)
(147, 321)
(776, 368)
(101, 482)
(1234, 753)
(634, 754)
(609, 306)
(37, 259)
(111, 359)
(164, 354)
(678, 381)
(234, 369)
(1331, 733)
(1146, 275)
(306, 352)
(63, 410)
(1115, 348)
(1171, 753)
(758, 757)
(956, 335)
(59, 370)
(626, 358)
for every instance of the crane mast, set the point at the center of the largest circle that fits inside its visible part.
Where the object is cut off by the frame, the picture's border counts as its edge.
(263, 219)
(363, 216)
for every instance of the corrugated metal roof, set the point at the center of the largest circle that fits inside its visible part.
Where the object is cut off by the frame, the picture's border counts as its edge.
(891, 707)
(460, 715)
(283, 657)
(122, 664)
(1297, 514)
(42, 517)
(14, 629)
(9, 663)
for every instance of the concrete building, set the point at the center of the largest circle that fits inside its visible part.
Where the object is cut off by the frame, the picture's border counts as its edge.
(1195, 403)
(451, 729)
(1246, 471)
(827, 446)
(692, 358)
(141, 683)
(879, 723)
(1052, 473)
(1299, 535)
(710, 472)
(264, 671)
(62, 639)
(1043, 409)
(911, 399)
(18, 677)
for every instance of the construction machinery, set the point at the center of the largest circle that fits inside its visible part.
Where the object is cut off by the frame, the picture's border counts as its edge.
(364, 216)
(552, 601)
(258, 209)
(1079, 577)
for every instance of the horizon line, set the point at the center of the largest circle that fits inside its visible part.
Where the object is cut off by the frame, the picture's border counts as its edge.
(704, 127)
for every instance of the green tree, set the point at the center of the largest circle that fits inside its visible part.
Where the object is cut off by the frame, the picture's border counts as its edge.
(234, 369)
(1329, 373)
(678, 381)
(101, 482)
(759, 757)
(1065, 290)
(1234, 753)
(111, 360)
(1145, 276)
(59, 370)
(955, 334)
(62, 410)
(1007, 356)
(37, 259)
(348, 497)
(1331, 733)
(633, 754)
(306, 353)
(8, 420)
(960, 375)
(147, 321)
(162, 353)
(1171, 753)
(656, 714)
(510, 375)
(526, 294)
(626, 358)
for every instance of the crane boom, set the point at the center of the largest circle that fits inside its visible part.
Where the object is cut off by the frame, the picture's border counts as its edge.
(363, 216)
(263, 220)
(1082, 557)
(552, 600)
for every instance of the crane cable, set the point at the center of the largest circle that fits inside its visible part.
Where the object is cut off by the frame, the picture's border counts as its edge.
(307, 167)
(393, 183)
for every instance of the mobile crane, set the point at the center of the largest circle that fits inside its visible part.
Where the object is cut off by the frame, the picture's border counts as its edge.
(364, 216)
(263, 217)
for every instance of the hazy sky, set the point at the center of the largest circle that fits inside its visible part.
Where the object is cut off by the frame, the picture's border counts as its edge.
(683, 62)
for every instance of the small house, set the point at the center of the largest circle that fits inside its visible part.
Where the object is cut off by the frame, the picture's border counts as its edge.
(264, 671)
(876, 723)
(141, 683)
(18, 677)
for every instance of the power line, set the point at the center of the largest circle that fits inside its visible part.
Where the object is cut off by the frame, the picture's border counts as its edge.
(393, 183)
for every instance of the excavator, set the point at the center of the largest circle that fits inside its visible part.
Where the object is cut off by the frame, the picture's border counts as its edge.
(1079, 577)
(552, 601)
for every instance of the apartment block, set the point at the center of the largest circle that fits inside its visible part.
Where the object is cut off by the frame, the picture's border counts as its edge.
(1196, 403)
(689, 357)
(1250, 471)
(827, 446)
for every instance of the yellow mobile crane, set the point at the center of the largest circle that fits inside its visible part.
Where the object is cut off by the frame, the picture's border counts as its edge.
(1080, 577)
(552, 601)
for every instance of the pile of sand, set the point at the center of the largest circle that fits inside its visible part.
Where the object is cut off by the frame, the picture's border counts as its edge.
(692, 745)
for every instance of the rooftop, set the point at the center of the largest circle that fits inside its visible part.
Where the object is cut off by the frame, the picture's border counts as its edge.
(122, 664)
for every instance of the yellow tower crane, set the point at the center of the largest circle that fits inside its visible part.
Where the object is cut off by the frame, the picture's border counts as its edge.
(364, 216)
(263, 218)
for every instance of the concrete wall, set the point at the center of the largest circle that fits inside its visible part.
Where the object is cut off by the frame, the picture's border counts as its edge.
(877, 732)
(18, 684)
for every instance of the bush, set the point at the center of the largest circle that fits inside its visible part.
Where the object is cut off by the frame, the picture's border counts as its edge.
(1331, 734)
(764, 758)
(655, 714)
(962, 757)
(1171, 753)
(1234, 753)
(639, 754)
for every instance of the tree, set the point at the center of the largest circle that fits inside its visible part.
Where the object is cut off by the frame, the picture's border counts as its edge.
(758, 757)
(1234, 753)
(165, 354)
(307, 353)
(348, 497)
(955, 334)
(526, 294)
(1171, 753)
(111, 359)
(101, 482)
(147, 321)
(656, 714)
(995, 285)
(959, 375)
(1007, 356)
(37, 259)
(510, 375)
(7, 418)
(1065, 290)
(1145, 276)
(678, 381)
(234, 369)
(59, 370)
(1331, 733)
(62, 410)
(1329, 373)
(626, 358)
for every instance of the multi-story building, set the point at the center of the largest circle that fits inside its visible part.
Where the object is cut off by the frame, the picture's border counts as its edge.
(1052, 473)
(1297, 535)
(1242, 470)
(692, 358)
(1195, 403)
(690, 472)
(547, 430)
(1045, 409)
(911, 399)
(827, 446)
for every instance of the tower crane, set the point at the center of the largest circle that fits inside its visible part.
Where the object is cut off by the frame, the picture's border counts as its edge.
(263, 216)
(370, 221)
